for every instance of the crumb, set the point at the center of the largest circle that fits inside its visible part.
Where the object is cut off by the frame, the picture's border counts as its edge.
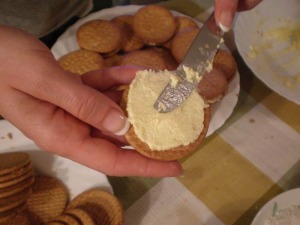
(251, 120)
(10, 135)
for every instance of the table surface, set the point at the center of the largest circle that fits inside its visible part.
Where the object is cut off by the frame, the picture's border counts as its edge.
(253, 157)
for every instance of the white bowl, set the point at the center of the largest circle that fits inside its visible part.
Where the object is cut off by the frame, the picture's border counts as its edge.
(76, 177)
(268, 39)
(282, 201)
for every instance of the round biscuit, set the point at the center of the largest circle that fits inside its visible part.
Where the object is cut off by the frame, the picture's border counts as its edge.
(15, 200)
(130, 41)
(213, 86)
(11, 161)
(81, 61)
(225, 62)
(154, 24)
(19, 219)
(56, 223)
(181, 43)
(144, 58)
(103, 207)
(100, 36)
(184, 22)
(48, 199)
(114, 60)
(16, 173)
(81, 215)
(11, 190)
(67, 219)
(8, 215)
(17, 180)
(168, 58)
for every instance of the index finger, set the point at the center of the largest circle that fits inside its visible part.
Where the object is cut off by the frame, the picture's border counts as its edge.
(247, 4)
(109, 77)
(101, 155)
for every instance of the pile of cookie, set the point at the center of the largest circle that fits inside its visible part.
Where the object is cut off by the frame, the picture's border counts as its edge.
(153, 38)
(30, 199)
(16, 180)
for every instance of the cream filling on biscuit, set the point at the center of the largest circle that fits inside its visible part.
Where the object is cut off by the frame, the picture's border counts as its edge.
(163, 131)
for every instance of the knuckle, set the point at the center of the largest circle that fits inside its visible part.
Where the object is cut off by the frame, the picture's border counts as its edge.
(85, 107)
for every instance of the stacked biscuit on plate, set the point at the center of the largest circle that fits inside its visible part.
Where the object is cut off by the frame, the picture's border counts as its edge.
(156, 39)
(30, 199)
(16, 179)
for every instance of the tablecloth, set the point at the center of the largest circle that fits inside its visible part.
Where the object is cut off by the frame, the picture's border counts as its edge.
(253, 157)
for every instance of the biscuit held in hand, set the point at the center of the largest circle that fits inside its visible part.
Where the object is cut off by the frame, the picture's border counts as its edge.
(163, 136)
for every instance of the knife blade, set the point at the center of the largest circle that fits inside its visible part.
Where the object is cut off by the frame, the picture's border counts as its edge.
(199, 58)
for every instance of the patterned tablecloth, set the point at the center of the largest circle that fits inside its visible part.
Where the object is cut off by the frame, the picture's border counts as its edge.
(253, 157)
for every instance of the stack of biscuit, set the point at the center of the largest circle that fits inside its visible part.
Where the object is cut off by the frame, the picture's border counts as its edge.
(153, 38)
(16, 180)
(92, 207)
(30, 199)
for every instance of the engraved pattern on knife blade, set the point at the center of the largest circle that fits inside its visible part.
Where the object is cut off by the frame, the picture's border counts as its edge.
(172, 97)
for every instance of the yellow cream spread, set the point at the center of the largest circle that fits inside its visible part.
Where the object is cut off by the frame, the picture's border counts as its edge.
(162, 131)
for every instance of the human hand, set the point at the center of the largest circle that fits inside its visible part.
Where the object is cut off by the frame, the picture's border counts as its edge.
(66, 114)
(226, 9)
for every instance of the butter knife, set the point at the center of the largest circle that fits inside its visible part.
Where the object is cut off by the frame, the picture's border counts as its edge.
(198, 58)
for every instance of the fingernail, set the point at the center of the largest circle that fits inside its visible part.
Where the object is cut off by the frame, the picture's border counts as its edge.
(115, 122)
(225, 20)
(182, 174)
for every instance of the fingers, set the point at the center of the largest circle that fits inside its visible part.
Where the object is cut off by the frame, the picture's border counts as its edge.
(116, 140)
(55, 131)
(114, 161)
(226, 9)
(48, 82)
(247, 4)
(53, 107)
(32, 69)
(110, 77)
(94, 107)
(224, 13)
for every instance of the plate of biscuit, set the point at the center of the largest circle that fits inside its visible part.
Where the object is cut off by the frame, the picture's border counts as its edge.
(76, 178)
(28, 197)
(157, 39)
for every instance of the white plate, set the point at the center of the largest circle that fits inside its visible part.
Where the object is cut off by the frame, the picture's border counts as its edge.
(67, 43)
(261, 41)
(77, 178)
(284, 200)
